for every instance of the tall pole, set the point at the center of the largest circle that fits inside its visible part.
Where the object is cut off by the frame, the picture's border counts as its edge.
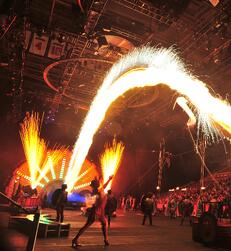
(201, 148)
(161, 164)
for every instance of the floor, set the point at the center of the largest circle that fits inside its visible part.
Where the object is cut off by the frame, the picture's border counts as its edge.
(126, 233)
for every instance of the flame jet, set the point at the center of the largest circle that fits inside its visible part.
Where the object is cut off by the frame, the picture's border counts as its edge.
(142, 67)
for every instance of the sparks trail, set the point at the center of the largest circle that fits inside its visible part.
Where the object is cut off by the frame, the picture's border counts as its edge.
(148, 66)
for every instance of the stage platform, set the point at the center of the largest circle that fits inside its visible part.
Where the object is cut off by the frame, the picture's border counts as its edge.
(47, 226)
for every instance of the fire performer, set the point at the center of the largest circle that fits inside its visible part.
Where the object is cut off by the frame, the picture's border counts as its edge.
(97, 210)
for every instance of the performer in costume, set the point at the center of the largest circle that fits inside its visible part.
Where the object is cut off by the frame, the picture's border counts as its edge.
(97, 211)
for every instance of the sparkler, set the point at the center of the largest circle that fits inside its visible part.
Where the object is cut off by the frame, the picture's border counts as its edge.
(110, 161)
(149, 67)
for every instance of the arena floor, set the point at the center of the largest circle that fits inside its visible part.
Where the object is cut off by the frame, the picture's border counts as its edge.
(126, 233)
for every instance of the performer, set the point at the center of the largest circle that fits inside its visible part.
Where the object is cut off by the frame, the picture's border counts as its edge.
(59, 200)
(111, 206)
(96, 211)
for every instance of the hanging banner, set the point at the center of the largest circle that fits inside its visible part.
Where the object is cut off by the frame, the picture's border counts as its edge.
(39, 44)
(56, 49)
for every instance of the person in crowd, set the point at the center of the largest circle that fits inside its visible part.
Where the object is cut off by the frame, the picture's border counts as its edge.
(111, 206)
(133, 203)
(172, 206)
(147, 207)
(59, 201)
(97, 210)
(199, 206)
(186, 209)
(122, 202)
(128, 203)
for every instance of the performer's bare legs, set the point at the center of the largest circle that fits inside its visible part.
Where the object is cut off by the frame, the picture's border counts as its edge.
(90, 221)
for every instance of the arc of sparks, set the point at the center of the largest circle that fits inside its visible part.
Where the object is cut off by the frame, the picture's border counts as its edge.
(149, 67)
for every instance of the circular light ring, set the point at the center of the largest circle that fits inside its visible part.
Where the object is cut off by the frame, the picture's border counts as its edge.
(51, 66)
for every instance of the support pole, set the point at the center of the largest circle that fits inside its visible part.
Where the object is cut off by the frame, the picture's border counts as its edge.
(161, 164)
(202, 146)
(34, 231)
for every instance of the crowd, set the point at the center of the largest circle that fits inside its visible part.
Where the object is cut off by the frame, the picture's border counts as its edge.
(215, 196)
(192, 200)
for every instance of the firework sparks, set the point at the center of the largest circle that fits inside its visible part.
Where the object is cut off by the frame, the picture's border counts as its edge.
(110, 160)
(149, 67)
(34, 147)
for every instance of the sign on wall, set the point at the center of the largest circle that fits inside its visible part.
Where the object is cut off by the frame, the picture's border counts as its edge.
(39, 44)
(56, 49)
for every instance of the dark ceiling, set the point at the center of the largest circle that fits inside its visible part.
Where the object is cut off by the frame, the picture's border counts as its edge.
(80, 40)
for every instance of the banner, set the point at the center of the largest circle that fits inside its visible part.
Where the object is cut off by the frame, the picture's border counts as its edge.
(38, 45)
(56, 49)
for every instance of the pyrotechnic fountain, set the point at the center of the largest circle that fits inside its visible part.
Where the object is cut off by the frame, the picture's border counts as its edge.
(45, 166)
(110, 160)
